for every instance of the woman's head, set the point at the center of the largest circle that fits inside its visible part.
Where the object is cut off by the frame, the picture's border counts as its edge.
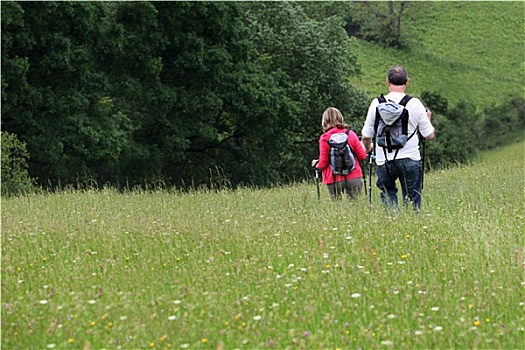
(332, 117)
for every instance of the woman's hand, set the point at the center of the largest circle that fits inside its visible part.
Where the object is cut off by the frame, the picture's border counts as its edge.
(314, 162)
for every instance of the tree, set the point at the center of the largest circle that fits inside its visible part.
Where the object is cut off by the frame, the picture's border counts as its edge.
(315, 60)
(198, 106)
(381, 21)
(15, 177)
(434, 101)
(130, 56)
(54, 98)
(227, 113)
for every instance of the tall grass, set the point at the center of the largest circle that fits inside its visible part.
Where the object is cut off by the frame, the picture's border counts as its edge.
(270, 268)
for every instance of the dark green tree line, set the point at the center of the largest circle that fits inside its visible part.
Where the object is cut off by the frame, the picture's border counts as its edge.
(184, 92)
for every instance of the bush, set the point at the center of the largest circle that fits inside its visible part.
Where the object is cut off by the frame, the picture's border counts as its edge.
(502, 123)
(14, 172)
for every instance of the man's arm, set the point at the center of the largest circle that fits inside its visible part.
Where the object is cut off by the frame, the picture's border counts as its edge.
(367, 143)
(368, 129)
(429, 116)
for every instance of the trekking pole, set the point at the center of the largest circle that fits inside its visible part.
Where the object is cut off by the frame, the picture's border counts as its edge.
(370, 164)
(422, 139)
(423, 165)
(362, 163)
(317, 181)
(364, 175)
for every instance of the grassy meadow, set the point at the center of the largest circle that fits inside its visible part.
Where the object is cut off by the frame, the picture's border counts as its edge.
(273, 268)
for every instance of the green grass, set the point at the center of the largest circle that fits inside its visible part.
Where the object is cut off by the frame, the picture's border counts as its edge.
(464, 50)
(270, 268)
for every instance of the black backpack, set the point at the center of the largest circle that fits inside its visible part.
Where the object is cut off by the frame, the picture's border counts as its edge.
(391, 124)
(342, 160)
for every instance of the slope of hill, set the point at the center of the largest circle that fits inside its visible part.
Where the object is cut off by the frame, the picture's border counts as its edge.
(471, 51)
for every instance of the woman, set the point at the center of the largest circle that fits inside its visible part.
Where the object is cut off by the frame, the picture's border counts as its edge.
(352, 183)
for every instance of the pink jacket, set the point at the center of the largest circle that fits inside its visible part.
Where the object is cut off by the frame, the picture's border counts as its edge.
(324, 156)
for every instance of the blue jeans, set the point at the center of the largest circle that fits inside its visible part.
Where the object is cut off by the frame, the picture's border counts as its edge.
(408, 172)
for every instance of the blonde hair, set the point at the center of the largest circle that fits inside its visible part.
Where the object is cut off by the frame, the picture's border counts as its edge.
(332, 117)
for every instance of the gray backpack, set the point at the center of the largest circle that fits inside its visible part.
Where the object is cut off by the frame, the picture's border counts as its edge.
(391, 124)
(342, 160)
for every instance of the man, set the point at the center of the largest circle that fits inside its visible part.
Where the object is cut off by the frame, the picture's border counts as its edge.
(407, 163)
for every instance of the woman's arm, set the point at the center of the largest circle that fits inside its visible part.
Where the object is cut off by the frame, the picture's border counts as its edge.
(356, 146)
(324, 154)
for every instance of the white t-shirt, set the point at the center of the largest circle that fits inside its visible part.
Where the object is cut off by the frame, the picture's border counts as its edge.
(417, 119)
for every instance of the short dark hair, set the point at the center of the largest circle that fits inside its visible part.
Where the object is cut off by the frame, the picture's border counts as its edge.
(397, 75)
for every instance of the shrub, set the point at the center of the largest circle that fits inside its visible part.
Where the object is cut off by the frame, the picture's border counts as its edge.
(14, 168)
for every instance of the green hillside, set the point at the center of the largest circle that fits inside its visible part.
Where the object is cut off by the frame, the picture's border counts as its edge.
(472, 51)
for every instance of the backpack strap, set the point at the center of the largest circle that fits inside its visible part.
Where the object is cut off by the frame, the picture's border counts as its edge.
(404, 121)
(350, 147)
(405, 100)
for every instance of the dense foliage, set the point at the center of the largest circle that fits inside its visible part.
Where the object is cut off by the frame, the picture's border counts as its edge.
(199, 93)
(15, 177)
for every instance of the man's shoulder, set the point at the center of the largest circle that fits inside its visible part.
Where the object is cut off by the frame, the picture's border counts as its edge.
(414, 104)
(414, 99)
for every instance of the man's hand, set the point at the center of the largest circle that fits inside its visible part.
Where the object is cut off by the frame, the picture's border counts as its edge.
(429, 113)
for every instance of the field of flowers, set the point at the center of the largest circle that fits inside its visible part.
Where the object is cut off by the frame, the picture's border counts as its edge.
(272, 268)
